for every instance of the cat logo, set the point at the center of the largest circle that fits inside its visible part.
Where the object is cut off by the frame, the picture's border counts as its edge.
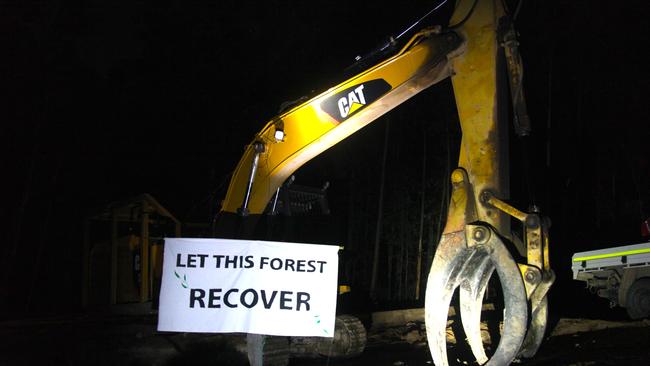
(349, 101)
(353, 101)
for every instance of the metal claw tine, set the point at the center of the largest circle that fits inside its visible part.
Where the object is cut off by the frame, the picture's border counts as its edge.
(515, 316)
(536, 330)
(448, 265)
(539, 317)
(476, 277)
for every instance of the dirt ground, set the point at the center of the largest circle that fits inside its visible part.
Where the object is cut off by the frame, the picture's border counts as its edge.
(575, 342)
(129, 340)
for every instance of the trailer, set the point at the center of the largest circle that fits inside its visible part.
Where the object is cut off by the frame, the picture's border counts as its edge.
(619, 274)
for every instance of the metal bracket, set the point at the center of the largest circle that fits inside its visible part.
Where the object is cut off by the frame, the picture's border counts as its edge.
(258, 148)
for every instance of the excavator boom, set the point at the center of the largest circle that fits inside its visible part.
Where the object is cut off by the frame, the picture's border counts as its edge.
(291, 139)
(475, 52)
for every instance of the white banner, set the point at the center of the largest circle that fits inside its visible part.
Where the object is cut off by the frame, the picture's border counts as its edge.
(245, 286)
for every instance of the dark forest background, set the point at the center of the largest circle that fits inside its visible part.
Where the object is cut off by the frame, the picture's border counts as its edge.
(102, 101)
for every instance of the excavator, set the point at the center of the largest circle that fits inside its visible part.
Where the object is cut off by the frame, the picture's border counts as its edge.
(479, 51)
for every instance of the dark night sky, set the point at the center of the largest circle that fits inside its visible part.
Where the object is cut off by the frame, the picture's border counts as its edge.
(103, 101)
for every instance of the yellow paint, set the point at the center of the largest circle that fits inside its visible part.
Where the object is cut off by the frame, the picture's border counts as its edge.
(344, 289)
(309, 130)
(474, 83)
(529, 286)
(506, 208)
(459, 204)
(354, 107)
(535, 253)
(547, 261)
(610, 255)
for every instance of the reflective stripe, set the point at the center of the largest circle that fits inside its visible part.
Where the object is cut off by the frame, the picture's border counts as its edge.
(609, 255)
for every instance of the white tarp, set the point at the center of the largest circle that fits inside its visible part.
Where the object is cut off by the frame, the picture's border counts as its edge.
(246, 286)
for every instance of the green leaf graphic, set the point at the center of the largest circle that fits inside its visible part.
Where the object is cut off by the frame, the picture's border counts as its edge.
(183, 281)
(317, 319)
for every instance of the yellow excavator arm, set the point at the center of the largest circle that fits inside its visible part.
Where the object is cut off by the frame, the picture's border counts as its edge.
(293, 138)
(473, 52)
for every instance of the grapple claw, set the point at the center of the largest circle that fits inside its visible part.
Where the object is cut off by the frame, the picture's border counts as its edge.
(469, 266)
(468, 254)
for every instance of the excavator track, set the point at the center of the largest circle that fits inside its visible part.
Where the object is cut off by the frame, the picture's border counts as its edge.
(268, 350)
(349, 339)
